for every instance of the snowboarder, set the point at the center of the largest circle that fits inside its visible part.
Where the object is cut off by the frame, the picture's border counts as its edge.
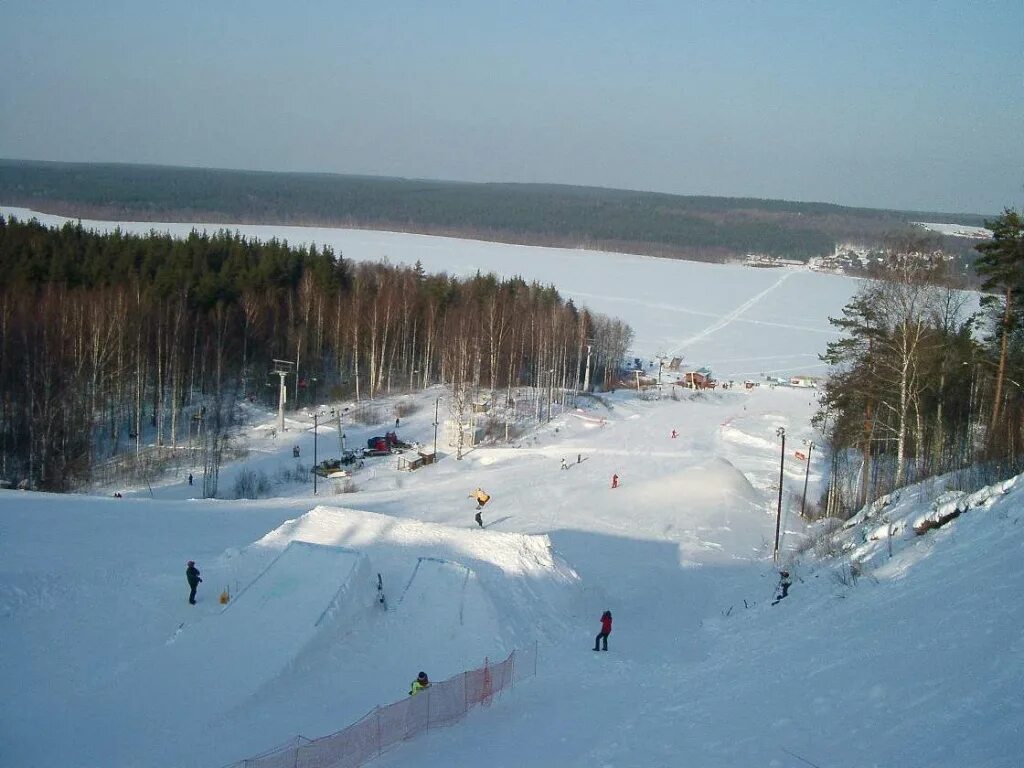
(192, 574)
(564, 465)
(615, 481)
(606, 629)
(674, 434)
(784, 584)
(419, 684)
(482, 497)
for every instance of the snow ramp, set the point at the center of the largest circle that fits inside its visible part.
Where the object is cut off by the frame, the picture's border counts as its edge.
(447, 594)
(306, 592)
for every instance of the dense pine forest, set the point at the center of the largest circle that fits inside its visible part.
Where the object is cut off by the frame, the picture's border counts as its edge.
(691, 227)
(105, 338)
(920, 385)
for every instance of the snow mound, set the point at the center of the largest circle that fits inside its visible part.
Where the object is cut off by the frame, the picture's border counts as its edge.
(512, 583)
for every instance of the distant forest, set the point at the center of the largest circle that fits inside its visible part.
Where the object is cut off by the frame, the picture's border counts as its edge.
(112, 343)
(690, 227)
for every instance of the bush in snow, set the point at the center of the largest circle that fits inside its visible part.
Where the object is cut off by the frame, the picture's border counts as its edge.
(251, 485)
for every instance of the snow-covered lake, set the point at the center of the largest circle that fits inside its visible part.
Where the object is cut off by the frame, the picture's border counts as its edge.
(739, 321)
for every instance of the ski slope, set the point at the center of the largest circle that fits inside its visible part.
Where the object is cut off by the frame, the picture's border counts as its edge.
(916, 662)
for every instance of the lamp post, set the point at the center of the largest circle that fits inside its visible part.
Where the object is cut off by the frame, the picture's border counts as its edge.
(781, 432)
(807, 474)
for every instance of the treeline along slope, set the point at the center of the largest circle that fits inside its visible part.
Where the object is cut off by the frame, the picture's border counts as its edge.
(110, 343)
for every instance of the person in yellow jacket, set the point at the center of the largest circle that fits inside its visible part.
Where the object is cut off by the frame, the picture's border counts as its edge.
(419, 684)
(482, 497)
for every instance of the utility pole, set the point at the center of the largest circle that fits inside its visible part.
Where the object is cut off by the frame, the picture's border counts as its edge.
(436, 404)
(316, 417)
(807, 474)
(551, 390)
(341, 428)
(781, 432)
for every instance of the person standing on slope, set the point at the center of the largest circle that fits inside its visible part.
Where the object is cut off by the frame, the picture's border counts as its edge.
(606, 629)
(615, 481)
(482, 497)
(192, 575)
(784, 584)
(421, 682)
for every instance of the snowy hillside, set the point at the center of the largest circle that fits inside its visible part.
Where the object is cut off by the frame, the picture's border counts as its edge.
(891, 648)
(956, 230)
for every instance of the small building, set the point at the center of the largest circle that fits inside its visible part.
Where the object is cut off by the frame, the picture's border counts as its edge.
(698, 379)
(803, 381)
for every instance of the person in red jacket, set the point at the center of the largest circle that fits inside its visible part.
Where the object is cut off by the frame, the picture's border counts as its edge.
(606, 629)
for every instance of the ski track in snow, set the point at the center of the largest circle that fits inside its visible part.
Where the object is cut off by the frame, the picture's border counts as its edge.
(700, 313)
(731, 317)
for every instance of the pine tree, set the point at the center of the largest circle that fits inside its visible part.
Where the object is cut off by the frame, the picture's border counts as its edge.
(1001, 267)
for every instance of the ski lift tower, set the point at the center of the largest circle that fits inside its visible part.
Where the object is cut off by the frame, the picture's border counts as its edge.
(282, 368)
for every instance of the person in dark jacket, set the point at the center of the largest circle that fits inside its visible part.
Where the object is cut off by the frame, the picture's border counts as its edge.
(606, 629)
(192, 574)
(784, 584)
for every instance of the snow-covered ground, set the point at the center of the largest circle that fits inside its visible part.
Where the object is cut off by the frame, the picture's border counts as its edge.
(909, 659)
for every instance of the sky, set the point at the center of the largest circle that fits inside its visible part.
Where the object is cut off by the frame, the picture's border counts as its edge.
(911, 105)
(701, 669)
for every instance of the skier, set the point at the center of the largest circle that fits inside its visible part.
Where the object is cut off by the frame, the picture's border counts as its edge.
(606, 629)
(674, 434)
(419, 684)
(564, 465)
(615, 481)
(784, 584)
(192, 574)
(482, 498)
(295, 452)
(190, 478)
(397, 419)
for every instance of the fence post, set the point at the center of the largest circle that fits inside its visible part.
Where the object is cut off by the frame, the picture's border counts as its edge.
(380, 751)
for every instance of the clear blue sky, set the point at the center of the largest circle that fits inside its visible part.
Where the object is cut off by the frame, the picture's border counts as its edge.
(908, 104)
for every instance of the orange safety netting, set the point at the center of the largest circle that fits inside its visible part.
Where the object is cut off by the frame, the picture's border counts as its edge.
(441, 704)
